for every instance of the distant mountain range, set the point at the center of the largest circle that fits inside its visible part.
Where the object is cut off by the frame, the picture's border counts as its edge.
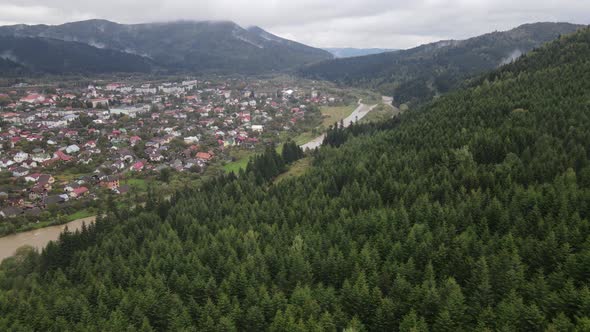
(200, 47)
(25, 55)
(350, 52)
(425, 71)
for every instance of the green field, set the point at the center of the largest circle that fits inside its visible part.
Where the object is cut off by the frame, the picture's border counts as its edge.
(139, 184)
(331, 115)
(241, 160)
(297, 169)
(304, 138)
(380, 113)
(81, 214)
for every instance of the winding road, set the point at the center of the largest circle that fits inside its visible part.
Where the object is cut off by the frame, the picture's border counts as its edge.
(355, 116)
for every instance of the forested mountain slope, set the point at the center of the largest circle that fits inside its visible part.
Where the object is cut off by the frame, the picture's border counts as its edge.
(24, 55)
(470, 214)
(207, 46)
(420, 73)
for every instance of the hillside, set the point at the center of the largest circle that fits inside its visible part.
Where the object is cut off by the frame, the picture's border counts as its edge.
(222, 47)
(22, 55)
(350, 52)
(470, 214)
(425, 71)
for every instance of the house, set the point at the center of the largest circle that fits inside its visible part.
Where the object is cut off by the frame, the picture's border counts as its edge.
(72, 149)
(11, 212)
(110, 182)
(177, 165)
(46, 180)
(126, 156)
(122, 189)
(99, 102)
(191, 139)
(257, 128)
(156, 157)
(32, 99)
(113, 86)
(5, 163)
(32, 177)
(134, 140)
(60, 155)
(79, 192)
(41, 157)
(53, 200)
(71, 186)
(118, 165)
(204, 156)
(37, 191)
(20, 172)
(138, 166)
(20, 157)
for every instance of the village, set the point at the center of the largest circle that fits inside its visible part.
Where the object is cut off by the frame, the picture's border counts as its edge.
(62, 146)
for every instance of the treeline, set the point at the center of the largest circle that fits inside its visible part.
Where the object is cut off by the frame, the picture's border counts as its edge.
(270, 164)
(471, 214)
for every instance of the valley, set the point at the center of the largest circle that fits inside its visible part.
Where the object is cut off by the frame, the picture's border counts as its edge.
(67, 148)
(205, 175)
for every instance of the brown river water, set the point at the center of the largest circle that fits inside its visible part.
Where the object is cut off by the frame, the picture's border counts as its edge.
(37, 238)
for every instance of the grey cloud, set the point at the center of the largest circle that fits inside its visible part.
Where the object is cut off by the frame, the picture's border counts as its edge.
(356, 23)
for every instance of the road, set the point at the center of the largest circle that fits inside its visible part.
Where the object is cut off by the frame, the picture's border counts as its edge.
(355, 116)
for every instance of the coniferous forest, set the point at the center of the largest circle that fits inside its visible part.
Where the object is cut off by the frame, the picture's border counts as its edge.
(469, 214)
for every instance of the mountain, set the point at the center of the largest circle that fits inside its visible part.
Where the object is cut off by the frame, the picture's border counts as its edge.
(354, 52)
(10, 68)
(425, 71)
(222, 47)
(24, 55)
(469, 214)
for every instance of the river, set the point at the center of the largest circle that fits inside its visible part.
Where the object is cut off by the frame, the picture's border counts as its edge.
(37, 238)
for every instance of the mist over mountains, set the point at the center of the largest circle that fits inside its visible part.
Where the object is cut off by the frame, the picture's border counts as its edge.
(349, 52)
(200, 47)
(425, 71)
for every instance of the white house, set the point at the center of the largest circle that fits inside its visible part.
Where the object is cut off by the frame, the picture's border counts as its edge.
(191, 139)
(41, 157)
(72, 149)
(19, 172)
(5, 163)
(20, 157)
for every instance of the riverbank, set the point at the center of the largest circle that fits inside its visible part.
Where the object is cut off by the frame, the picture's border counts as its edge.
(38, 238)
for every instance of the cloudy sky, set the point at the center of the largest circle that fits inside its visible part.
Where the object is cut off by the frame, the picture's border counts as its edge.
(321, 23)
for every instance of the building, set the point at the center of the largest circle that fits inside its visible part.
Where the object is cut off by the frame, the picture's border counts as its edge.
(110, 182)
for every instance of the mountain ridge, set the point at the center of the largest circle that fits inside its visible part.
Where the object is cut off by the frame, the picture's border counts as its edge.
(425, 71)
(349, 52)
(197, 46)
(21, 57)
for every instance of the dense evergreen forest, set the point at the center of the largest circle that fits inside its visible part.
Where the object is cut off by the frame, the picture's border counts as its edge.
(33, 56)
(470, 214)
